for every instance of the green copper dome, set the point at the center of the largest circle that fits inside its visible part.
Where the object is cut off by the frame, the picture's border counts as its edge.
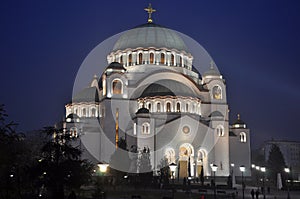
(150, 35)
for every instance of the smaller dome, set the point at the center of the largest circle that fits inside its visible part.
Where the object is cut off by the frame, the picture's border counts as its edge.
(142, 110)
(239, 123)
(213, 71)
(115, 66)
(87, 95)
(73, 116)
(216, 114)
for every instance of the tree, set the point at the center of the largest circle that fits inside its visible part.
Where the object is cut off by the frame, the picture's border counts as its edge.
(60, 166)
(12, 153)
(276, 163)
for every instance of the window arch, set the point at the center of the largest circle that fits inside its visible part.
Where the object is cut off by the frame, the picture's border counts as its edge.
(93, 112)
(130, 59)
(158, 107)
(83, 112)
(117, 86)
(168, 107)
(217, 92)
(186, 107)
(220, 131)
(180, 60)
(146, 128)
(162, 58)
(151, 58)
(121, 59)
(243, 137)
(149, 106)
(178, 107)
(140, 58)
(172, 60)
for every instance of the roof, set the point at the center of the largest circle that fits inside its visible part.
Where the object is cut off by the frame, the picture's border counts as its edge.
(87, 95)
(213, 71)
(216, 114)
(167, 87)
(115, 66)
(150, 35)
(142, 110)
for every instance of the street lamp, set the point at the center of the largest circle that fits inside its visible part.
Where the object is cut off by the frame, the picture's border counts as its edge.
(252, 166)
(214, 168)
(287, 170)
(103, 167)
(242, 169)
(263, 169)
(173, 167)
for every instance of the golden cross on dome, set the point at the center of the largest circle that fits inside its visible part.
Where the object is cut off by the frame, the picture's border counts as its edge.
(150, 10)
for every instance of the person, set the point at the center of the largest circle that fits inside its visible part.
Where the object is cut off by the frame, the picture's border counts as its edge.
(72, 195)
(252, 193)
(257, 193)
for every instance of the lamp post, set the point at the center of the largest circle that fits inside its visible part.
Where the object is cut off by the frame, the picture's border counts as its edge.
(214, 169)
(263, 169)
(242, 169)
(173, 169)
(287, 170)
(102, 167)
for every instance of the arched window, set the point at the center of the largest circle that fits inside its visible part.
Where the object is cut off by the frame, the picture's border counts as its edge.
(151, 58)
(146, 128)
(180, 61)
(158, 107)
(186, 107)
(162, 58)
(117, 87)
(172, 60)
(220, 131)
(140, 58)
(217, 92)
(130, 59)
(121, 60)
(76, 111)
(83, 112)
(243, 137)
(93, 112)
(178, 107)
(73, 132)
(168, 107)
(149, 107)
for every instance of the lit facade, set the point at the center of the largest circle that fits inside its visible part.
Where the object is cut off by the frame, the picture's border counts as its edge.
(151, 95)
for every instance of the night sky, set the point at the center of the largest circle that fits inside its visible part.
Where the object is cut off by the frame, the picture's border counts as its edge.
(256, 45)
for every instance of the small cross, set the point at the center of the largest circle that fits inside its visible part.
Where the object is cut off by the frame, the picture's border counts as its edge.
(150, 10)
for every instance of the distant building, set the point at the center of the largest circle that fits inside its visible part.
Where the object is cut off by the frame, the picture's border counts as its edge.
(290, 151)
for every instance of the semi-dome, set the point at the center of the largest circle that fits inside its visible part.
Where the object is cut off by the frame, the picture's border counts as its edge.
(167, 87)
(150, 35)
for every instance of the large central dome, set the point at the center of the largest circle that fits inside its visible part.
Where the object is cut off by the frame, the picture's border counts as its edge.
(150, 35)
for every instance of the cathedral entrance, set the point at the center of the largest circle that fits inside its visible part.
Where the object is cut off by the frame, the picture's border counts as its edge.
(186, 159)
(202, 166)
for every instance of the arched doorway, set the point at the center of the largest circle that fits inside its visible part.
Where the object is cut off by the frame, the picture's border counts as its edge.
(186, 160)
(202, 164)
(170, 155)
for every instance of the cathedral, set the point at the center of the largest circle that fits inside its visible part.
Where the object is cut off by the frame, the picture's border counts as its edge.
(152, 96)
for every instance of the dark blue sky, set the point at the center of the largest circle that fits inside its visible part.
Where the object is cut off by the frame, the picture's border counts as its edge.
(254, 43)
